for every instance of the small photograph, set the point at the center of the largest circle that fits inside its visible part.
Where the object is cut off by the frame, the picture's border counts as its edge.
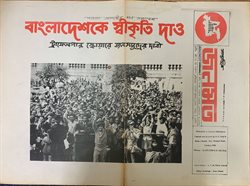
(106, 112)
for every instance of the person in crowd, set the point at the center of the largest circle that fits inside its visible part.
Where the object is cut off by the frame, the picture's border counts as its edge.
(57, 135)
(174, 140)
(131, 135)
(46, 142)
(84, 144)
(127, 122)
(172, 145)
(71, 122)
(117, 146)
(101, 141)
(147, 126)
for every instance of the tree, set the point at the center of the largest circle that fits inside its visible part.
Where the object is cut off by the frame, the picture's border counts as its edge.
(126, 73)
(54, 71)
(121, 81)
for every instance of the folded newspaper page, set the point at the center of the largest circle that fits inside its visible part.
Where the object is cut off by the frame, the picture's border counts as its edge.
(124, 93)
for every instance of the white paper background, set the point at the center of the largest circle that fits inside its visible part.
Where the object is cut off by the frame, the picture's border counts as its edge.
(21, 48)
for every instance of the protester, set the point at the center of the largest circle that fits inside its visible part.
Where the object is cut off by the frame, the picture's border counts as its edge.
(131, 135)
(79, 121)
(46, 142)
(101, 142)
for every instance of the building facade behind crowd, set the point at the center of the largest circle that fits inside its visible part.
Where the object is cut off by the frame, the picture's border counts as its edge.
(77, 121)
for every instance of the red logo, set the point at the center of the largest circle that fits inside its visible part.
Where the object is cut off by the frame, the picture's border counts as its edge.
(211, 27)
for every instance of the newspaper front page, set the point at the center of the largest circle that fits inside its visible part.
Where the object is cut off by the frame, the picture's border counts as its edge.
(124, 93)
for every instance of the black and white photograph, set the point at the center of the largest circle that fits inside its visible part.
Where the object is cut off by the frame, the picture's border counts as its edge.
(123, 113)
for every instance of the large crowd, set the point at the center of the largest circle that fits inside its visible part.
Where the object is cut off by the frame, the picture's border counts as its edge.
(78, 121)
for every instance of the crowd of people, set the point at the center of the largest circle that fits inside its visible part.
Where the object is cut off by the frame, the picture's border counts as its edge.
(78, 121)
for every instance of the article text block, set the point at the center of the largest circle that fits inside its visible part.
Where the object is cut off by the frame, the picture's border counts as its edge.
(210, 150)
